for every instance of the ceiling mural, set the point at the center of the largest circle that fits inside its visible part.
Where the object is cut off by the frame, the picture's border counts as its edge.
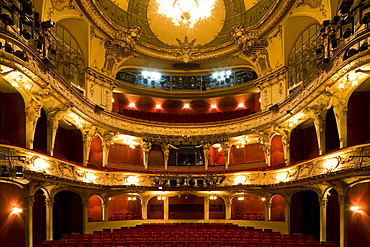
(208, 39)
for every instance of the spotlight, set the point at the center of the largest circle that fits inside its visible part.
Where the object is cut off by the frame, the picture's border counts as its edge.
(347, 33)
(364, 46)
(27, 7)
(48, 24)
(19, 54)
(18, 171)
(8, 48)
(16, 210)
(7, 20)
(345, 6)
(27, 34)
(366, 18)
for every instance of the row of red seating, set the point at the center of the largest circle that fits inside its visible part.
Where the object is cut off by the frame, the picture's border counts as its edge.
(183, 243)
(123, 216)
(195, 235)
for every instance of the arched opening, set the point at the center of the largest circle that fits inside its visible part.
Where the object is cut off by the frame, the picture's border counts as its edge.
(216, 156)
(95, 209)
(69, 144)
(276, 151)
(156, 156)
(124, 154)
(358, 227)
(333, 217)
(96, 152)
(277, 208)
(305, 214)
(67, 214)
(331, 132)
(216, 208)
(246, 154)
(248, 207)
(303, 142)
(12, 223)
(41, 133)
(123, 207)
(186, 207)
(358, 116)
(12, 117)
(39, 217)
(155, 208)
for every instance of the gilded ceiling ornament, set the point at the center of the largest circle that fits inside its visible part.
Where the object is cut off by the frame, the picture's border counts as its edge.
(313, 4)
(186, 49)
(59, 5)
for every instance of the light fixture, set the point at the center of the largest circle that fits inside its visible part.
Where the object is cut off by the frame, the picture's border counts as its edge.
(241, 198)
(186, 106)
(355, 208)
(241, 105)
(161, 198)
(133, 105)
(131, 198)
(186, 12)
(213, 106)
(16, 210)
(213, 197)
(158, 106)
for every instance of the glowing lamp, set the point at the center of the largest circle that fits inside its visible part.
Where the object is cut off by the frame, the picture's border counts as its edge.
(186, 12)
(16, 210)
(241, 198)
(355, 208)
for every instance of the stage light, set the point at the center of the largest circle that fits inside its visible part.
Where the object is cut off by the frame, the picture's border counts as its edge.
(16, 210)
(48, 24)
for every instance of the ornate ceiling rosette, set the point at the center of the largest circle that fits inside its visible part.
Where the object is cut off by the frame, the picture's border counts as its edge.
(137, 24)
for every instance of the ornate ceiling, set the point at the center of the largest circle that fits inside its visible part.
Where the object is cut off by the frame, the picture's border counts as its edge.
(235, 30)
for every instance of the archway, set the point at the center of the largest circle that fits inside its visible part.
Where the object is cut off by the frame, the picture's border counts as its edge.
(277, 208)
(247, 207)
(124, 207)
(276, 151)
(305, 213)
(156, 208)
(216, 208)
(96, 153)
(303, 142)
(39, 217)
(95, 209)
(67, 214)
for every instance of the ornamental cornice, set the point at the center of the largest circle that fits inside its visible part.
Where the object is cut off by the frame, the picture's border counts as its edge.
(344, 164)
(264, 25)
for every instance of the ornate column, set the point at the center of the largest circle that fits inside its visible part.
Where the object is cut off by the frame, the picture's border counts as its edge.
(344, 209)
(315, 113)
(105, 210)
(107, 142)
(33, 113)
(146, 146)
(206, 208)
(144, 209)
(323, 202)
(267, 210)
(165, 209)
(339, 104)
(53, 124)
(285, 138)
(85, 213)
(206, 148)
(87, 140)
(287, 213)
(28, 216)
(227, 209)
(226, 147)
(49, 218)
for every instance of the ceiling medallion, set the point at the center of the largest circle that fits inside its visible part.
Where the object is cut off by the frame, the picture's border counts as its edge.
(186, 12)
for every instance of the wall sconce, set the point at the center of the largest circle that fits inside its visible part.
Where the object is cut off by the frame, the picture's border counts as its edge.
(16, 210)
(241, 198)
(355, 209)
(213, 197)
(161, 198)
(131, 198)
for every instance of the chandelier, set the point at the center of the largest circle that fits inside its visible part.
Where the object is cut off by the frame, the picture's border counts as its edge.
(187, 12)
